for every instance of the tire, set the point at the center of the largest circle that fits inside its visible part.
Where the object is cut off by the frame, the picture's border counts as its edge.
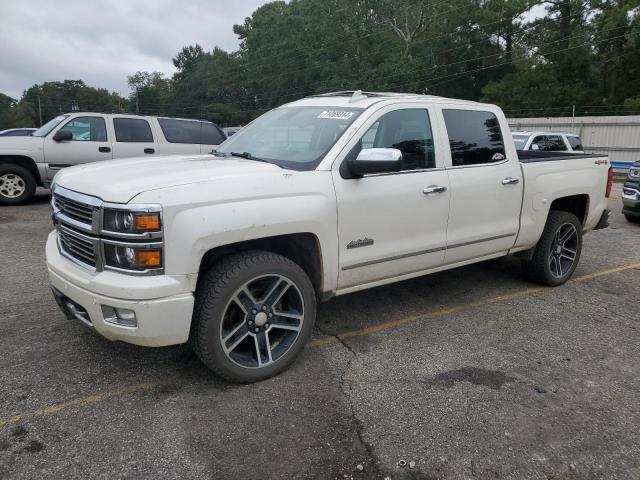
(550, 264)
(17, 185)
(631, 219)
(264, 330)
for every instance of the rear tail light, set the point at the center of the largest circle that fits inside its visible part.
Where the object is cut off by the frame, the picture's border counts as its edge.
(609, 182)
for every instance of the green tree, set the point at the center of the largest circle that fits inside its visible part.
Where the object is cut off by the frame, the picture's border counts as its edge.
(149, 92)
(60, 97)
(6, 103)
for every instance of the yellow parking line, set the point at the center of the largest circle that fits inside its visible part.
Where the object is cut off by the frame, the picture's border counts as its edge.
(151, 385)
(83, 401)
(459, 308)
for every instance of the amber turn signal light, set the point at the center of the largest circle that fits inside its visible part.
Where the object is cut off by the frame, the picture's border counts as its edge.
(148, 258)
(146, 221)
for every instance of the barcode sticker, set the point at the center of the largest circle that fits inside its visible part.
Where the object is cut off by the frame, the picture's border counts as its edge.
(336, 114)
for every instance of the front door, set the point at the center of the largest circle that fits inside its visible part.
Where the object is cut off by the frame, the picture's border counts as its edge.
(393, 224)
(89, 143)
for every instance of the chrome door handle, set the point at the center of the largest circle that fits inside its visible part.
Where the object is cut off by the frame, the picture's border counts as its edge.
(510, 181)
(434, 189)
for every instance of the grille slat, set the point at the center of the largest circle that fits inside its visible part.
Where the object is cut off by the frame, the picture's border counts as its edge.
(88, 250)
(79, 255)
(77, 247)
(77, 211)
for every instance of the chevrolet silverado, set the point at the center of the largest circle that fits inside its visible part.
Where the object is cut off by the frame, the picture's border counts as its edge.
(335, 193)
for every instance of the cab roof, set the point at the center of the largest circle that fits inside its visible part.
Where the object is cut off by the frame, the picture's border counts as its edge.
(360, 99)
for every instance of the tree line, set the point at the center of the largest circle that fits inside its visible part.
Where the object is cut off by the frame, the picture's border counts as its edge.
(579, 56)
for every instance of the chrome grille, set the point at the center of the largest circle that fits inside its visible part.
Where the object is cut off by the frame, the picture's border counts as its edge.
(77, 246)
(76, 210)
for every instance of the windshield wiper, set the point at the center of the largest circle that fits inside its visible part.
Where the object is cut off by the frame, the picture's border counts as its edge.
(216, 153)
(248, 156)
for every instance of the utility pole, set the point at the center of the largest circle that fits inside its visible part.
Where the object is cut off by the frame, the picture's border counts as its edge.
(39, 110)
(573, 115)
(137, 108)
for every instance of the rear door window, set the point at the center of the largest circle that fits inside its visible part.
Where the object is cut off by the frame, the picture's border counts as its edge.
(556, 144)
(185, 131)
(475, 137)
(87, 129)
(132, 130)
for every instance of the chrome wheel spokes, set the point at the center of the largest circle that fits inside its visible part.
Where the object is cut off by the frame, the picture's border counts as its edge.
(564, 250)
(262, 321)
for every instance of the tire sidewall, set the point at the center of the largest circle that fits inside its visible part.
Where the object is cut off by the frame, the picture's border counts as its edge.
(208, 339)
(27, 177)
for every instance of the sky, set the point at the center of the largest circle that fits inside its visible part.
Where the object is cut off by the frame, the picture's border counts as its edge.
(103, 42)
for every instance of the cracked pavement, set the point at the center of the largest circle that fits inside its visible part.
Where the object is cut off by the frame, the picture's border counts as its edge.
(540, 384)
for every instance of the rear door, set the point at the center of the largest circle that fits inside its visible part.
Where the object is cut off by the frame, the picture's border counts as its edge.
(486, 186)
(133, 137)
(393, 223)
(90, 143)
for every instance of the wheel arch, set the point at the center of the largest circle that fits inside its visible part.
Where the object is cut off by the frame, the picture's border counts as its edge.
(22, 161)
(576, 204)
(301, 248)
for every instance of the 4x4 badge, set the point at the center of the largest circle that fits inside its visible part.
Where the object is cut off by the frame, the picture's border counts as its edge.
(363, 242)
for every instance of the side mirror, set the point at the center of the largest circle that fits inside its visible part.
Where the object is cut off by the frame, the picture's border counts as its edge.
(376, 160)
(63, 135)
(535, 146)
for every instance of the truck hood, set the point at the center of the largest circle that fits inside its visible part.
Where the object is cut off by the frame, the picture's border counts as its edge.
(120, 180)
(20, 144)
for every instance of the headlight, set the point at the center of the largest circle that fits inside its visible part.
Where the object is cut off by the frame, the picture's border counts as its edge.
(124, 221)
(131, 257)
(634, 172)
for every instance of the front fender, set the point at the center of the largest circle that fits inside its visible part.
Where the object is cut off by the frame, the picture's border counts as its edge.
(304, 204)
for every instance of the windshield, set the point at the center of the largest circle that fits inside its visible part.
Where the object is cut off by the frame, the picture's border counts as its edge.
(520, 141)
(292, 137)
(44, 130)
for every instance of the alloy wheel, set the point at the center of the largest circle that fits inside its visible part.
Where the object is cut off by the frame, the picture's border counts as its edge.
(563, 252)
(262, 321)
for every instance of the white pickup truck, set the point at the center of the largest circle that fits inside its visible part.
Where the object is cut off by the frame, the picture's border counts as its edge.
(324, 196)
(71, 139)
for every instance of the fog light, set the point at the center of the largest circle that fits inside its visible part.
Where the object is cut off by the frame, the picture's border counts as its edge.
(119, 316)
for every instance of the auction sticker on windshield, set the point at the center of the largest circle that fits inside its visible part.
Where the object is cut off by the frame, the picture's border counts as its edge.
(336, 114)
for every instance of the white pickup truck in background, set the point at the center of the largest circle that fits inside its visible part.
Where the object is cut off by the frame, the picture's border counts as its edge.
(72, 139)
(547, 142)
(324, 196)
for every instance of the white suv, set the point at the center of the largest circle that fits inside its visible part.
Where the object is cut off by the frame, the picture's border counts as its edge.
(78, 138)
